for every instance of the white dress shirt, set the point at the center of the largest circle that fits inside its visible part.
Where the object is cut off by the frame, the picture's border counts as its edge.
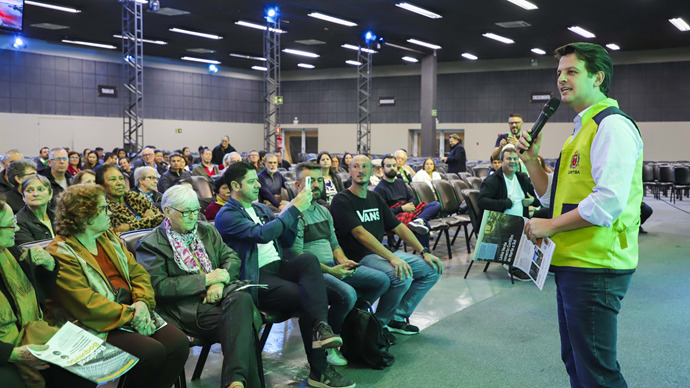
(615, 149)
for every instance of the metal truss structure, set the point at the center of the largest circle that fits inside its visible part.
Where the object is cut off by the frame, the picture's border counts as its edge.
(272, 96)
(133, 75)
(364, 100)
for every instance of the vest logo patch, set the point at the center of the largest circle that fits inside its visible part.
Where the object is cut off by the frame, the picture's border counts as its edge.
(575, 161)
(369, 215)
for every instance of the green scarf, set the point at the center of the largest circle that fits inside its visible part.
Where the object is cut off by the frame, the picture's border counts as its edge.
(23, 295)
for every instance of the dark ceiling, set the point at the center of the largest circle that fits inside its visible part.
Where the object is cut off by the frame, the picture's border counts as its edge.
(632, 24)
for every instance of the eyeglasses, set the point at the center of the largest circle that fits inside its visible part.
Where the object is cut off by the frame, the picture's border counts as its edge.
(188, 213)
(13, 226)
(60, 159)
(103, 209)
(152, 177)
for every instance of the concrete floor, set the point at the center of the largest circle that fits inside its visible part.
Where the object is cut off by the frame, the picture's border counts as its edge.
(284, 361)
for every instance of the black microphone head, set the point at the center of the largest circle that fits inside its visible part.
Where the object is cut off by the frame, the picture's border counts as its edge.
(551, 106)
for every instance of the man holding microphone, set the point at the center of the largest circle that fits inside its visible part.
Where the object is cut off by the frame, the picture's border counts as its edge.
(594, 195)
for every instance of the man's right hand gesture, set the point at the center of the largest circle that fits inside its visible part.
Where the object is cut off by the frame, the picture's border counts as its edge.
(303, 200)
(402, 269)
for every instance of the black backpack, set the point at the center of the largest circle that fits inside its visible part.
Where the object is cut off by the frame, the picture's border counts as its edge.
(364, 340)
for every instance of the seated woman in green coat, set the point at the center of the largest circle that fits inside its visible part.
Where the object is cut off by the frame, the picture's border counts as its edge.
(191, 268)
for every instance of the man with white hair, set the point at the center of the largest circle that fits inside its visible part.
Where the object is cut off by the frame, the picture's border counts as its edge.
(194, 275)
(404, 171)
(271, 184)
(9, 157)
(57, 174)
(146, 179)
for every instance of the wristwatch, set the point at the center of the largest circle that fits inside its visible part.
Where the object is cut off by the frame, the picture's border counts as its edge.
(425, 250)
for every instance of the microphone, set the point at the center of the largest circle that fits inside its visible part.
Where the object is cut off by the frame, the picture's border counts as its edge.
(546, 113)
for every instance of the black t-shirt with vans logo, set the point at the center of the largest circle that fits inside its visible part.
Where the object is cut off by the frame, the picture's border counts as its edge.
(350, 211)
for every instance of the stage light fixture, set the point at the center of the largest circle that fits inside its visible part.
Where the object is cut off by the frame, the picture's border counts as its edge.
(369, 37)
(18, 43)
(272, 14)
(213, 69)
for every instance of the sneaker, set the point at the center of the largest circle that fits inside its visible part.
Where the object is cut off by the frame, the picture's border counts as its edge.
(519, 275)
(389, 336)
(329, 378)
(324, 338)
(334, 357)
(402, 327)
(418, 226)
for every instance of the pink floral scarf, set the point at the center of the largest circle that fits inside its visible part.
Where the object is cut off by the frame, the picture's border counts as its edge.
(187, 247)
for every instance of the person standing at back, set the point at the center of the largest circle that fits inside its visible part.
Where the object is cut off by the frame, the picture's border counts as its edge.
(457, 159)
(594, 195)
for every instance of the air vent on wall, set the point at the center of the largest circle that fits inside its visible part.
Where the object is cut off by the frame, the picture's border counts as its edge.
(310, 42)
(171, 12)
(514, 24)
(49, 26)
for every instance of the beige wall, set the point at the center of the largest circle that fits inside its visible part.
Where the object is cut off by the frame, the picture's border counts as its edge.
(27, 132)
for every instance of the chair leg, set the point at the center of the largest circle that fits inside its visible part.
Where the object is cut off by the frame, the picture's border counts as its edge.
(181, 380)
(438, 237)
(201, 362)
(467, 239)
(487, 266)
(264, 335)
(468, 269)
(450, 253)
(456, 234)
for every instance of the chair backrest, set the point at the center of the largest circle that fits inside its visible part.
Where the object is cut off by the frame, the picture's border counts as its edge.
(446, 196)
(647, 173)
(288, 175)
(458, 186)
(453, 177)
(681, 176)
(132, 238)
(480, 171)
(471, 196)
(343, 176)
(656, 172)
(665, 174)
(424, 192)
(441, 169)
(463, 175)
(291, 189)
(202, 187)
(474, 182)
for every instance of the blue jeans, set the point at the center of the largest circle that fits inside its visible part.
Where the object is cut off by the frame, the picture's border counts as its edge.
(369, 283)
(429, 212)
(588, 306)
(403, 296)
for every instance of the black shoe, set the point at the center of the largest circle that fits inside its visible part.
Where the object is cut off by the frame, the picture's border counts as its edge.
(402, 327)
(519, 275)
(642, 231)
(329, 378)
(389, 336)
(324, 338)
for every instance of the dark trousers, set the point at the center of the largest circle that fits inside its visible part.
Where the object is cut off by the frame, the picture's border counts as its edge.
(645, 212)
(54, 376)
(588, 306)
(161, 356)
(230, 323)
(429, 212)
(297, 286)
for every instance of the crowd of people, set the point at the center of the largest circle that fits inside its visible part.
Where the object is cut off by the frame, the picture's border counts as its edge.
(313, 234)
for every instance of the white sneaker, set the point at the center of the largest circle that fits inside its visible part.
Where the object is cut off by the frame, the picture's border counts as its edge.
(334, 357)
(418, 226)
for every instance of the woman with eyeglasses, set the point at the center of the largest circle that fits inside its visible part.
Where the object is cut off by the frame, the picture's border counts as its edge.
(36, 220)
(26, 280)
(191, 272)
(131, 211)
(101, 286)
(74, 161)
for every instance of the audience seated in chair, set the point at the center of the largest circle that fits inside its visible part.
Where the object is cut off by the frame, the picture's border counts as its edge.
(36, 221)
(174, 174)
(331, 181)
(101, 285)
(295, 285)
(206, 168)
(272, 182)
(192, 271)
(146, 180)
(402, 202)
(222, 196)
(361, 218)
(17, 171)
(130, 210)
(316, 235)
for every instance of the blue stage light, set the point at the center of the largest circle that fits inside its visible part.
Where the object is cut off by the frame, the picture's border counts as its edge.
(212, 69)
(18, 43)
(272, 14)
(369, 37)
